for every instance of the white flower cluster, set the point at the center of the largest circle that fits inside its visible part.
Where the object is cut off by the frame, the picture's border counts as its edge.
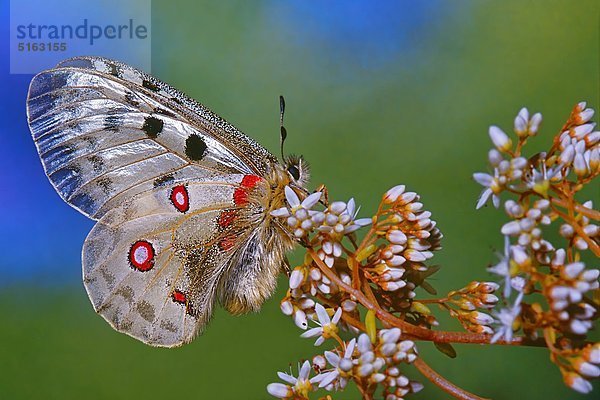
(526, 224)
(360, 359)
(305, 282)
(469, 299)
(300, 217)
(338, 220)
(332, 224)
(505, 171)
(591, 230)
(585, 367)
(576, 150)
(410, 237)
(567, 293)
(579, 146)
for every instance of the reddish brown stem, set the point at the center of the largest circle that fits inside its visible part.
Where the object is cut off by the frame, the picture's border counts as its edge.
(442, 383)
(591, 244)
(588, 212)
(417, 332)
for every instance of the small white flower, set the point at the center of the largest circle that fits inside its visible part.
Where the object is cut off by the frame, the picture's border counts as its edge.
(300, 319)
(521, 121)
(392, 195)
(500, 139)
(491, 185)
(502, 268)
(299, 214)
(300, 386)
(341, 367)
(327, 327)
(577, 382)
(506, 318)
(534, 124)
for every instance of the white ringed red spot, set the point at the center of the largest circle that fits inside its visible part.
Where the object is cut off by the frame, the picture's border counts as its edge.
(240, 195)
(180, 198)
(141, 255)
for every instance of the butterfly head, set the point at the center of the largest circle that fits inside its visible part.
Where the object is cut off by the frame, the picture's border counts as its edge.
(297, 169)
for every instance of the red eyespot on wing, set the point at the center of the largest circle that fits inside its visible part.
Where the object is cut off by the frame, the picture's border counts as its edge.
(240, 195)
(179, 297)
(226, 218)
(141, 256)
(180, 198)
(227, 242)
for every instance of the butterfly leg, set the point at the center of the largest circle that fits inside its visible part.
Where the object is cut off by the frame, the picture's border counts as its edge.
(323, 188)
(286, 268)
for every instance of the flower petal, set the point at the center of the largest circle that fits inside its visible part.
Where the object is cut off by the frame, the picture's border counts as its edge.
(483, 198)
(281, 212)
(279, 390)
(311, 200)
(483, 178)
(328, 378)
(287, 378)
(363, 221)
(312, 332)
(291, 197)
(350, 208)
(337, 316)
(322, 314)
(350, 348)
(304, 371)
(332, 358)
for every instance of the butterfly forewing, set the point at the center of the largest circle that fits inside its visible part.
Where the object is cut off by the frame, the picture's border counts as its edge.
(101, 136)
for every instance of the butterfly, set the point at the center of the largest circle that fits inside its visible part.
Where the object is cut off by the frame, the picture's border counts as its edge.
(182, 199)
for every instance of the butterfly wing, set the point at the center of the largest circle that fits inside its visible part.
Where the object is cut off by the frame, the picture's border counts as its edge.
(106, 132)
(152, 266)
(166, 179)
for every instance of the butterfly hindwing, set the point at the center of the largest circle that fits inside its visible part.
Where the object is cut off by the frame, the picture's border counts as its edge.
(153, 265)
(106, 132)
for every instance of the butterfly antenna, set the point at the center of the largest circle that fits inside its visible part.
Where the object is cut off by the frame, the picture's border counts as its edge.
(281, 127)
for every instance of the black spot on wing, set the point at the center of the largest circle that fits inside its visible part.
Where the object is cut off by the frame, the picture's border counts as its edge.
(176, 100)
(195, 147)
(112, 122)
(163, 180)
(97, 162)
(152, 126)
(149, 85)
(113, 69)
(105, 184)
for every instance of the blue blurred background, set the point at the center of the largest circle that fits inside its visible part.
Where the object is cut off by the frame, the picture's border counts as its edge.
(378, 93)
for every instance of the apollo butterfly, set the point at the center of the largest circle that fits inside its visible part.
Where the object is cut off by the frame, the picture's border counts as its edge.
(182, 199)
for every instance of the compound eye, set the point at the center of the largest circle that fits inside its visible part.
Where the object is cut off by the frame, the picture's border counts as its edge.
(294, 171)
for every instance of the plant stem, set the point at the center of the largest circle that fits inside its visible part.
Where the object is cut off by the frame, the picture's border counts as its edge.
(588, 212)
(442, 383)
(414, 331)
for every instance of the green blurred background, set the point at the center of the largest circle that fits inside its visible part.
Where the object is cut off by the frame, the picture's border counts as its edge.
(377, 95)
